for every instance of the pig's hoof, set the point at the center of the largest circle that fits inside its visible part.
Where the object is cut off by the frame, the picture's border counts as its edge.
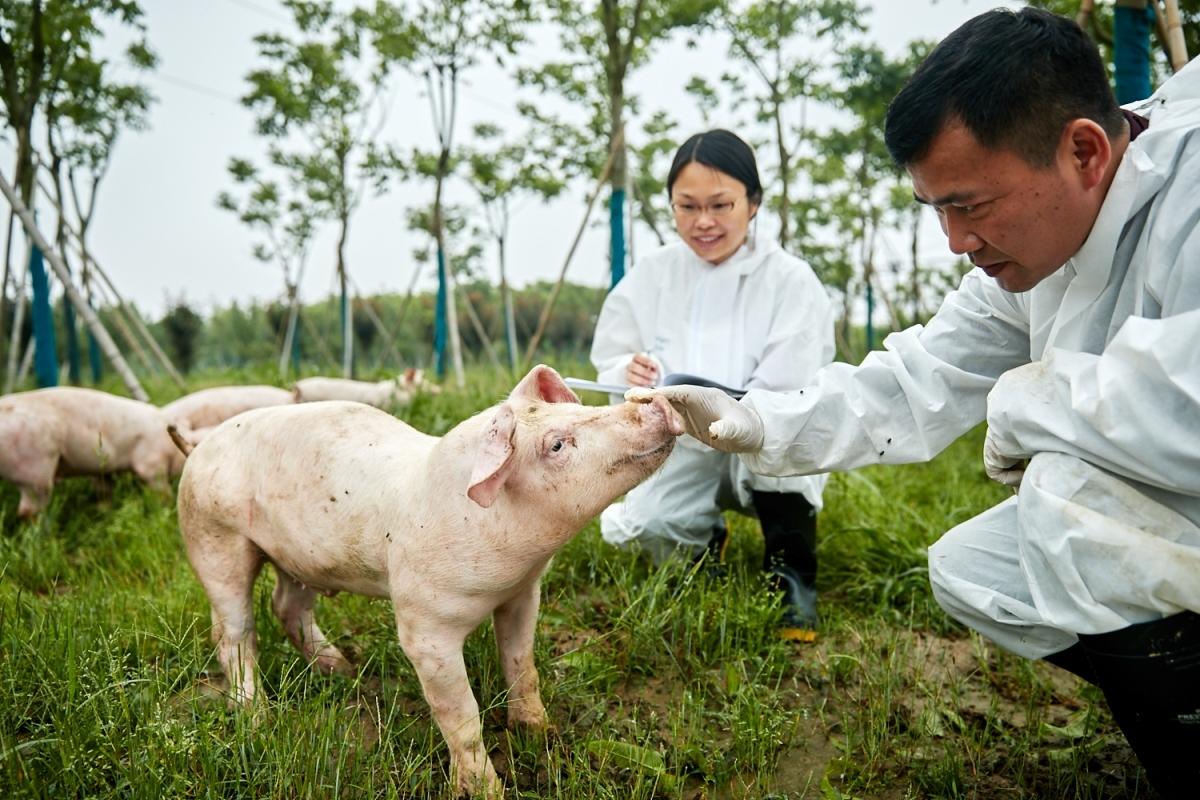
(532, 723)
(486, 787)
(335, 665)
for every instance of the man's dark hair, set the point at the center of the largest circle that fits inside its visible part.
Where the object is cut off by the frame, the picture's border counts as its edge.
(723, 151)
(1013, 78)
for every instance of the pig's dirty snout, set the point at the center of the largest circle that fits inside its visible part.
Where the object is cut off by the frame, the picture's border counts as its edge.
(658, 411)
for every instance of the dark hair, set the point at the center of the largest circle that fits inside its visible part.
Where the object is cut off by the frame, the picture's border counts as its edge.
(721, 150)
(1013, 78)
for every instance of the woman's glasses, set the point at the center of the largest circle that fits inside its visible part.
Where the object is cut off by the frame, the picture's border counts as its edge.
(687, 210)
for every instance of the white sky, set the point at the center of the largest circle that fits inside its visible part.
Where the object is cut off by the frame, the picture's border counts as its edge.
(159, 233)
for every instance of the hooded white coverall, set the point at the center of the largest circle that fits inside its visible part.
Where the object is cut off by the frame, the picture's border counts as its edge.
(1105, 532)
(759, 319)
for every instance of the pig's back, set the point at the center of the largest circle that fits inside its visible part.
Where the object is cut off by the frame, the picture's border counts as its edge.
(209, 407)
(94, 429)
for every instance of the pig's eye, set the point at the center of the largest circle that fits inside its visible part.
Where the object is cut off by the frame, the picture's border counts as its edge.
(559, 444)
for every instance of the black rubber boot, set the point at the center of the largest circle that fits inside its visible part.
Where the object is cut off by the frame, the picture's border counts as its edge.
(789, 525)
(1074, 660)
(1150, 675)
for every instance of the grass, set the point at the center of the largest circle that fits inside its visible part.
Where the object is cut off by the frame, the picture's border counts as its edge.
(661, 683)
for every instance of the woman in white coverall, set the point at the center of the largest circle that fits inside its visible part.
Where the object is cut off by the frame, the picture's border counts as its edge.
(1077, 338)
(724, 305)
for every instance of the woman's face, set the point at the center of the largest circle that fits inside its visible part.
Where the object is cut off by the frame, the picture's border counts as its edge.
(712, 211)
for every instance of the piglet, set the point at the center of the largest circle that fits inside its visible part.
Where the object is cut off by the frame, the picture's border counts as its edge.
(53, 433)
(381, 394)
(208, 408)
(344, 497)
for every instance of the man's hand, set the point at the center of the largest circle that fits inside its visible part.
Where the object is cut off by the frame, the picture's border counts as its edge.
(1000, 465)
(710, 415)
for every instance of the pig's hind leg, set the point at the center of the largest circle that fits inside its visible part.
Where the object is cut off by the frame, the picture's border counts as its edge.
(227, 564)
(515, 622)
(293, 603)
(34, 478)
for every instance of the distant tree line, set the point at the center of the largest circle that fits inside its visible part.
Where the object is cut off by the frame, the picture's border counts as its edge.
(245, 335)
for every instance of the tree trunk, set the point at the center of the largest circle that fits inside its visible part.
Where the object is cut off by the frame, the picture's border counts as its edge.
(510, 326)
(617, 61)
(347, 309)
(439, 233)
(785, 171)
(290, 336)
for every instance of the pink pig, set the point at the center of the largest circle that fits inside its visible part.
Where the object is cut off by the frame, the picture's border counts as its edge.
(208, 408)
(343, 497)
(381, 394)
(53, 433)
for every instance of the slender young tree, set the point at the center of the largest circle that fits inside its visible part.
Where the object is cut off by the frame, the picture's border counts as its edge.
(605, 42)
(285, 225)
(503, 174)
(854, 175)
(318, 102)
(439, 41)
(85, 110)
(787, 48)
(40, 42)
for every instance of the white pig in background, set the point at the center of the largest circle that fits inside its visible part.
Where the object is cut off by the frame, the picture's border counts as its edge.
(343, 497)
(59, 432)
(382, 394)
(208, 408)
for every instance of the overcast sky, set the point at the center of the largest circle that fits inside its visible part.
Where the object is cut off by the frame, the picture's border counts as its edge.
(159, 233)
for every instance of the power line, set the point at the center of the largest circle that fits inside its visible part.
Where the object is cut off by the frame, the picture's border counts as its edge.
(195, 87)
(266, 12)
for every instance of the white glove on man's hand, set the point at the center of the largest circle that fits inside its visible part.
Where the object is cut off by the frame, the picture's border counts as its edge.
(710, 416)
(1000, 465)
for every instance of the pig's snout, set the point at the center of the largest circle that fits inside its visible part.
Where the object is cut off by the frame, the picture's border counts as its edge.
(658, 412)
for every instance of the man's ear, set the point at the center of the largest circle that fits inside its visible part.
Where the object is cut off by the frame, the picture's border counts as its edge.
(1087, 152)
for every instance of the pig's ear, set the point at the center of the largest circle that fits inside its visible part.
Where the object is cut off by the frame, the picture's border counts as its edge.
(495, 460)
(543, 383)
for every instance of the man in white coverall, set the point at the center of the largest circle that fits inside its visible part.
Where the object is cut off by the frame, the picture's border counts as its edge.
(1077, 337)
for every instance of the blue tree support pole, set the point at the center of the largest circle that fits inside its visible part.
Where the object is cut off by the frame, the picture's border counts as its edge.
(45, 352)
(1132, 20)
(616, 221)
(439, 320)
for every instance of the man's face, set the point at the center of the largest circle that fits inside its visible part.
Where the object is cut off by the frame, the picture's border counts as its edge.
(1019, 223)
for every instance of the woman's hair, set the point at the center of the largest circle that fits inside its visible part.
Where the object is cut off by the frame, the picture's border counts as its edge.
(723, 151)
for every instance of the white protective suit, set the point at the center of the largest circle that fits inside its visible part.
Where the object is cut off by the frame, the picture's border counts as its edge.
(1104, 533)
(759, 319)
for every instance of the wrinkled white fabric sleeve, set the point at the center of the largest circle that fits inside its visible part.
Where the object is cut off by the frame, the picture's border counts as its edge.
(1133, 410)
(903, 404)
(618, 337)
(800, 341)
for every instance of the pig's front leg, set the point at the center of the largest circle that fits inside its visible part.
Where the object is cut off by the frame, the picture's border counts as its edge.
(436, 655)
(33, 500)
(515, 622)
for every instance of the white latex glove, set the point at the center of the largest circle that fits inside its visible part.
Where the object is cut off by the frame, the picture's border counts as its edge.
(710, 415)
(1000, 463)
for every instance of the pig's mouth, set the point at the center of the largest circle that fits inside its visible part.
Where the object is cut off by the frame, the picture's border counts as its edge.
(663, 448)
